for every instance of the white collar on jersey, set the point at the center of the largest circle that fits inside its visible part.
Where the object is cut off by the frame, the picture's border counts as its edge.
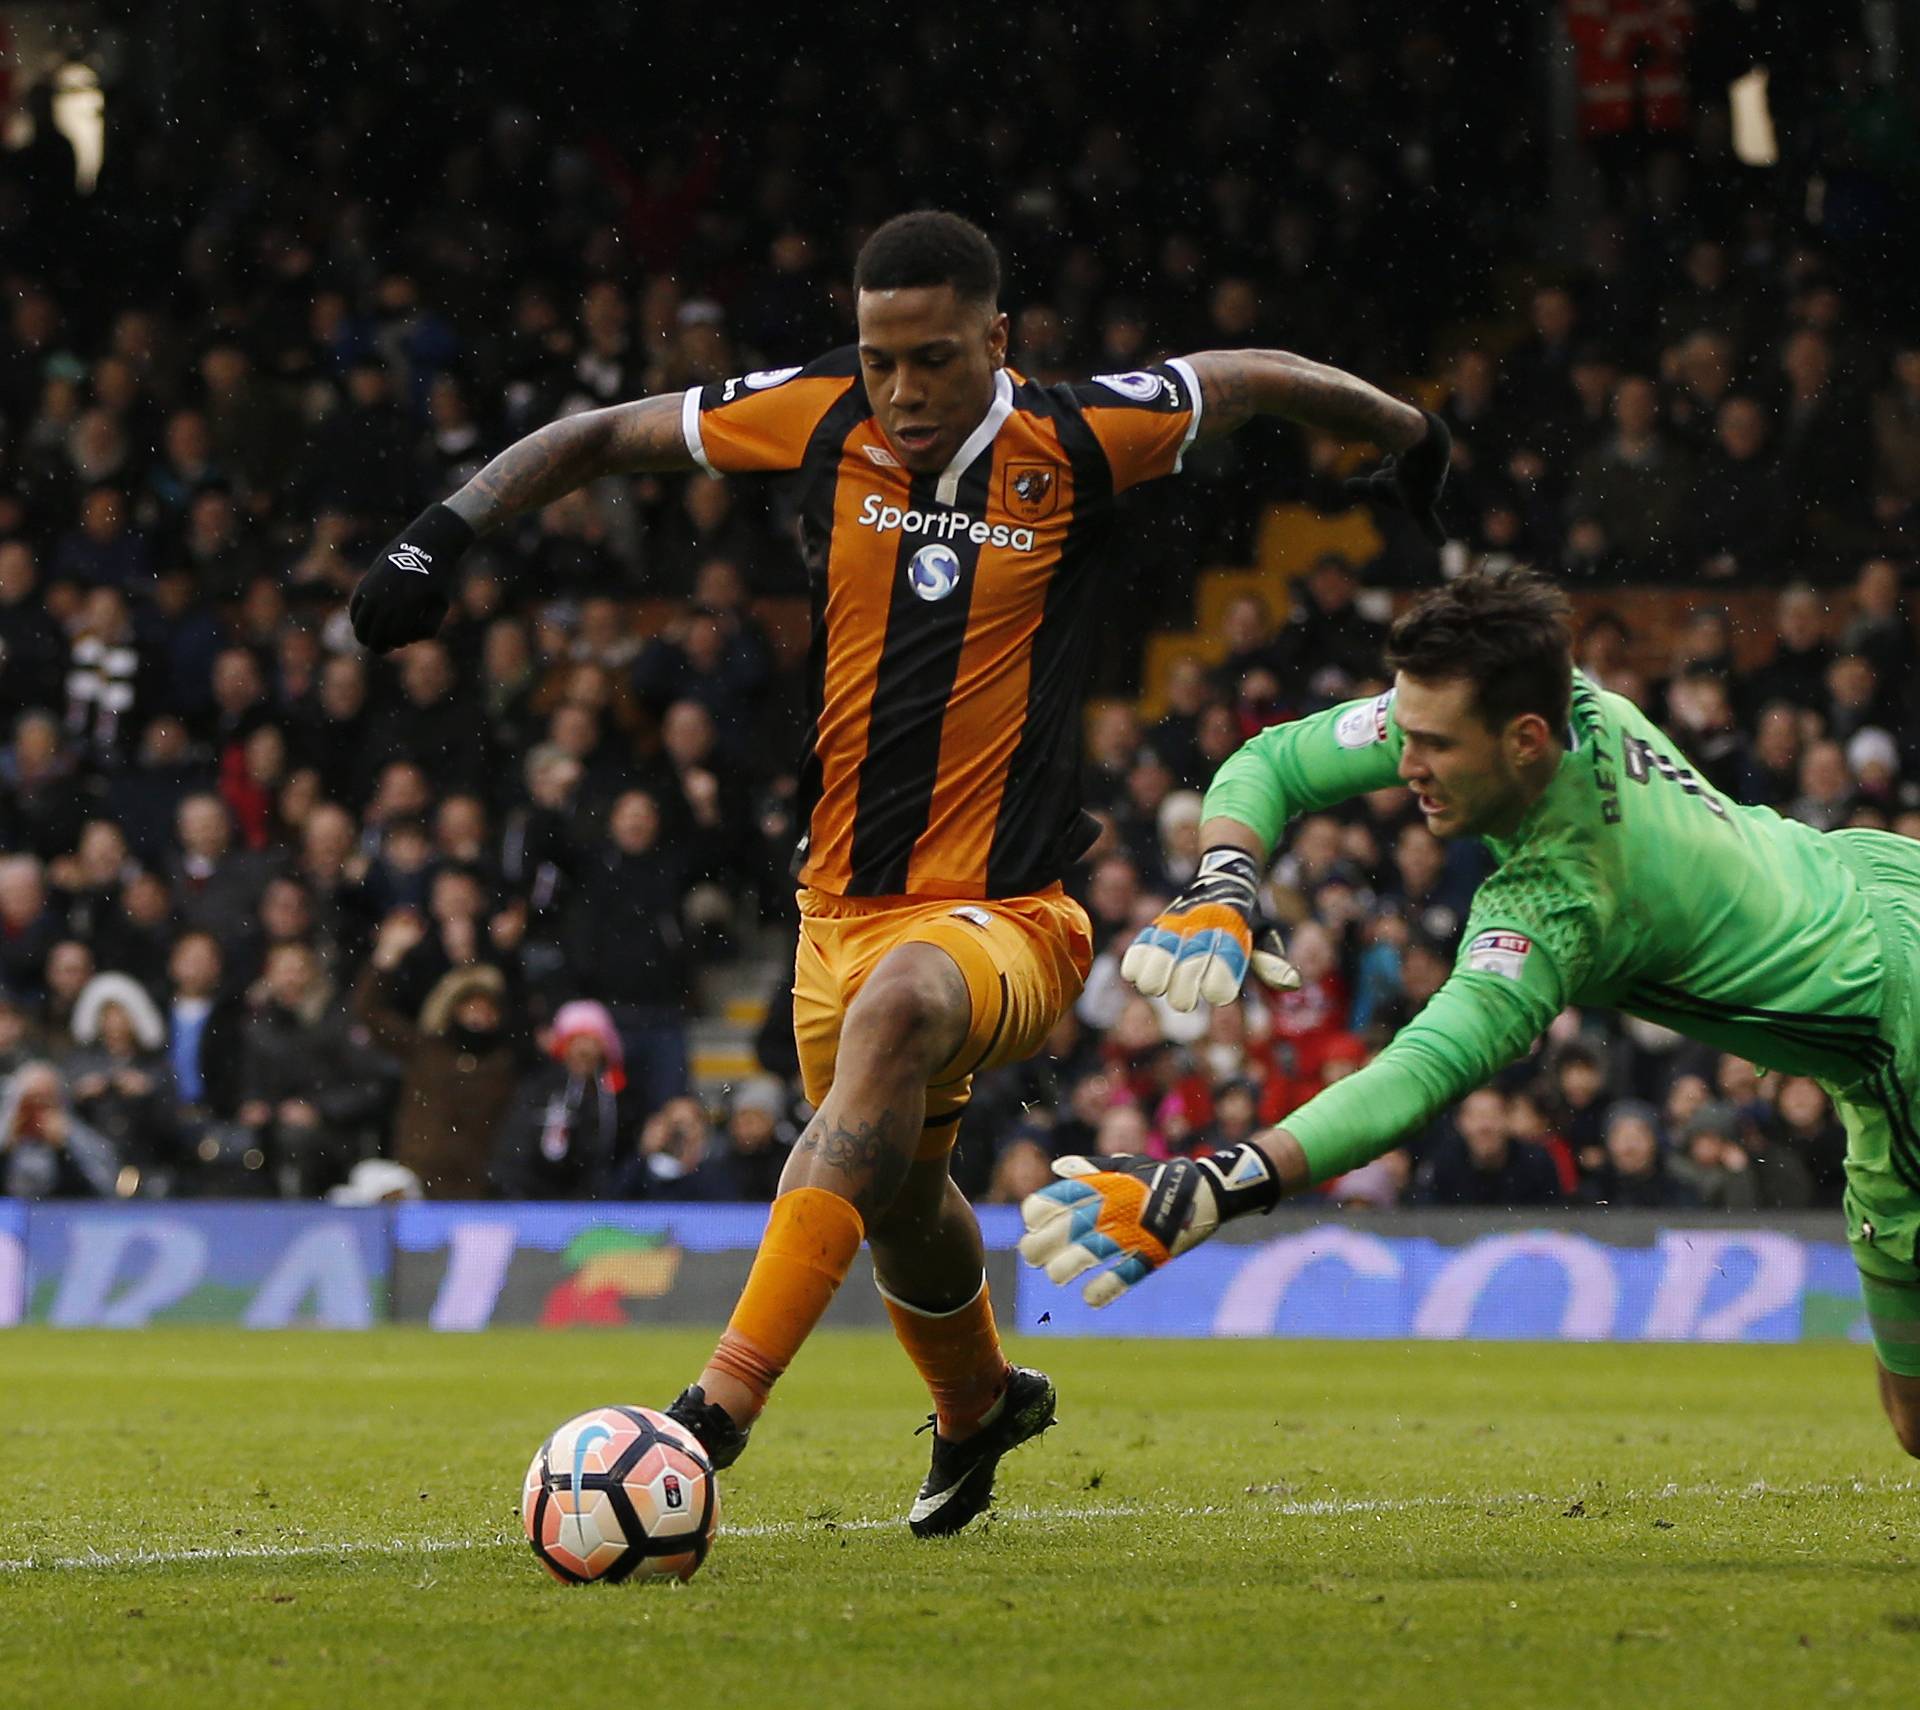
(978, 440)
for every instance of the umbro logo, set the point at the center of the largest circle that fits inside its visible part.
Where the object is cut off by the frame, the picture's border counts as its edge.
(410, 557)
(881, 455)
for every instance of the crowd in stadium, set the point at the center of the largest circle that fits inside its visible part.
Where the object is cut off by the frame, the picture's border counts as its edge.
(270, 906)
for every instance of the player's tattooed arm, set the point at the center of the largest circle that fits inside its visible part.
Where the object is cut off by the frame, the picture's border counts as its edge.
(568, 453)
(1237, 385)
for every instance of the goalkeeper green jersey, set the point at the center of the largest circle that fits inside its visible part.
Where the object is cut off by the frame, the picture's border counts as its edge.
(1633, 884)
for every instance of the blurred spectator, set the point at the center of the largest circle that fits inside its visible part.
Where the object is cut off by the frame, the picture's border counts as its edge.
(1823, 444)
(1577, 1112)
(119, 1081)
(33, 649)
(626, 945)
(1329, 640)
(679, 1156)
(44, 797)
(1476, 1161)
(206, 1032)
(70, 965)
(1801, 1157)
(1634, 486)
(1712, 1164)
(1529, 1124)
(563, 1137)
(30, 926)
(1881, 629)
(1175, 736)
(1740, 511)
(1123, 1131)
(457, 1065)
(433, 725)
(1236, 1113)
(104, 551)
(1826, 788)
(758, 1139)
(214, 887)
(108, 679)
(1802, 656)
(705, 528)
(1023, 1166)
(46, 1150)
(1770, 774)
(1378, 1186)
(20, 1040)
(309, 1090)
(362, 455)
(1634, 1175)
(1250, 642)
(1896, 429)
(1179, 827)
(1113, 739)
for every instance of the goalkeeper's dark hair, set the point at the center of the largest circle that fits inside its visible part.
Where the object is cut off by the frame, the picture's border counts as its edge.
(1506, 630)
(929, 247)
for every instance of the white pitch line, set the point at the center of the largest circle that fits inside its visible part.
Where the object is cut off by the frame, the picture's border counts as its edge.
(1306, 1508)
(103, 1560)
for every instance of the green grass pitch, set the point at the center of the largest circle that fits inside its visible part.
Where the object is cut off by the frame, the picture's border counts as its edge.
(224, 1517)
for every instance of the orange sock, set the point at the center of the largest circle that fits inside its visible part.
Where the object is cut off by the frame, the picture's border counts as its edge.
(810, 1242)
(958, 1355)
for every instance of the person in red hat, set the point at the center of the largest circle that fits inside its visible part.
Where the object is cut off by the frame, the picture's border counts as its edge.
(561, 1138)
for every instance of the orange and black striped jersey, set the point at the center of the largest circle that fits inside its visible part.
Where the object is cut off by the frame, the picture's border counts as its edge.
(953, 614)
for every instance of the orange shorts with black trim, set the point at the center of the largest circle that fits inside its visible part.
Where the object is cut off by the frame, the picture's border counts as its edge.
(1024, 960)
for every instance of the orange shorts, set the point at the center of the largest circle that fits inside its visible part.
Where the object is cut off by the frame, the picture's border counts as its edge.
(1024, 960)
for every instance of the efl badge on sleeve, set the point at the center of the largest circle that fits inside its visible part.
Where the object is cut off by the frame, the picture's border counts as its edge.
(1503, 953)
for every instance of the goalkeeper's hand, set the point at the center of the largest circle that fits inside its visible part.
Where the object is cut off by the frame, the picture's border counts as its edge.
(405, 596)
(1413, 479)
(1200, 946)
(1141, 1211)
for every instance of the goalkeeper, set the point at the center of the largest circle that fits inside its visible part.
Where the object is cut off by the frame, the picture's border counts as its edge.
(1623, 880)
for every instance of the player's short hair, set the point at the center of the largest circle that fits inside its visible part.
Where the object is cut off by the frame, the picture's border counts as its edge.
(1506, 630)
(929, 247)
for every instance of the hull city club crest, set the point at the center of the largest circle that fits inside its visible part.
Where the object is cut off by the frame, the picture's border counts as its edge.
(1033, 490)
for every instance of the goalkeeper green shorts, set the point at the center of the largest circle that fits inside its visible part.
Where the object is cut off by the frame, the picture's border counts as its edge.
(1893, 1320)
(1882, 1114)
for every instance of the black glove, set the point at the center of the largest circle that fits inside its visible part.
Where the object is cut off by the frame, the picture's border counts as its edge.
(405, 596)
(1413, 479)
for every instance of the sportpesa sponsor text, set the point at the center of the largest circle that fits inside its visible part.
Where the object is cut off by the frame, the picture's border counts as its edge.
(943, 525)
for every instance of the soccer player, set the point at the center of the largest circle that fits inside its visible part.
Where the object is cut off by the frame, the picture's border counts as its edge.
(955, 520)
(1624, 880)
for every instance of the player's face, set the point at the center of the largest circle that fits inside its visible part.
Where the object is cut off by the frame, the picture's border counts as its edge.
(1467, 778)
(929, 358)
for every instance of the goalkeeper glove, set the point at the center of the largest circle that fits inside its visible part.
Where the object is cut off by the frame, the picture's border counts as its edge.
(1413, 479)
(1142, 1211)
(405, 596)
(1200, 946)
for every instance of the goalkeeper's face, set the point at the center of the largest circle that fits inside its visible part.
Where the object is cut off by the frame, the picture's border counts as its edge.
(928, 356)
(1469, 779)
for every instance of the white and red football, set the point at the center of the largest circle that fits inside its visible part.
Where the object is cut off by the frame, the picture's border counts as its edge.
(620, 1493)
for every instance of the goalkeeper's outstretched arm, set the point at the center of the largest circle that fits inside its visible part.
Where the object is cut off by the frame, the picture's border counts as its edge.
(1202, 944)
(1146, 1211)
